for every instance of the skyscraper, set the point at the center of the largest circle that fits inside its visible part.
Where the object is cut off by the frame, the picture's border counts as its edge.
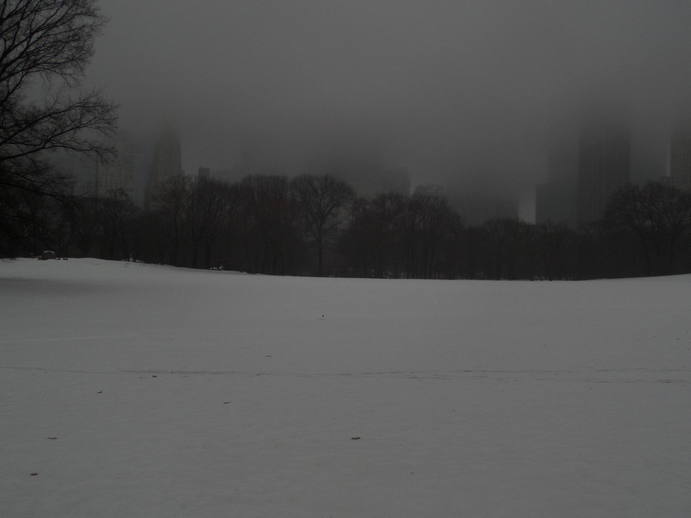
(556, 198)
(604, 165)
(555, 202)
(166, 163)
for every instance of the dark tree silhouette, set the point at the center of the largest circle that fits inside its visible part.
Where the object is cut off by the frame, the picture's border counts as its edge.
(555, 251)
(51, 42)
(259, 225)
(430, 227)
(321, 202)
(372, 242)
(209, 210)
(268, 224)
(171, 204)
(658, 215)
(508, 253)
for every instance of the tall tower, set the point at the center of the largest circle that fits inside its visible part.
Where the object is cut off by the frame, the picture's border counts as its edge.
(604, 165)
(556, 198)
(167, 161)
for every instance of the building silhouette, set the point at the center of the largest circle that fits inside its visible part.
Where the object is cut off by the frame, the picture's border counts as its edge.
(555, 202)
(478, 207)
(604, 165)
(556, 199)
(166, 162)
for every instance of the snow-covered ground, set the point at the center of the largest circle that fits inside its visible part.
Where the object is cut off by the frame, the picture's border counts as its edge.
(130, 390)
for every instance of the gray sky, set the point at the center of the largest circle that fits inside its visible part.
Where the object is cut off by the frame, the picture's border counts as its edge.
(447, 88)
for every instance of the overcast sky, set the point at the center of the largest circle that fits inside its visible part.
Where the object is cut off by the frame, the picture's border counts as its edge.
(466, 89)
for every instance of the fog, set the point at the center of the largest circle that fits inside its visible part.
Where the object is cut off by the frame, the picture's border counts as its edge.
(464, 93)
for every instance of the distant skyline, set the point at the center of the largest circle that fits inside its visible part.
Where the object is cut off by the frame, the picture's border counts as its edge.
(460, 92)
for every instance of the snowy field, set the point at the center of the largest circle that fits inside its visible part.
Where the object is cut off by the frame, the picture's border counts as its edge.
(129, 390)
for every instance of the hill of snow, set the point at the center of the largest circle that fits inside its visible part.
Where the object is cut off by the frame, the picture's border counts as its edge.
(130, 390)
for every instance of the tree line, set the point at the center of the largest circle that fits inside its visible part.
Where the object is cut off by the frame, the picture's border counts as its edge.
(309, 225)
(316, 225)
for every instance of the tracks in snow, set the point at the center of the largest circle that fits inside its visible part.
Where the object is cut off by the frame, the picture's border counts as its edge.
(583, 375)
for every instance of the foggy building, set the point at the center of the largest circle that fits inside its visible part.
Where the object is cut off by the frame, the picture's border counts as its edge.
(118, 176)
(604, 165)
(556, 198)
(555, 202)
(679, 158)
(250, 162)
(360, 161)
(166, 163)
(204, 173)
(367, 177)
(477, 208)
(92, 178)
(477, 199)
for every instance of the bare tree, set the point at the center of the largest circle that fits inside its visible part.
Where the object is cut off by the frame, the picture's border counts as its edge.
(430, 226)
(658, 215)
(321, 201)
(172, 204)
(268, 220)
(45, 45)
(210, 205)
(507, 249)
